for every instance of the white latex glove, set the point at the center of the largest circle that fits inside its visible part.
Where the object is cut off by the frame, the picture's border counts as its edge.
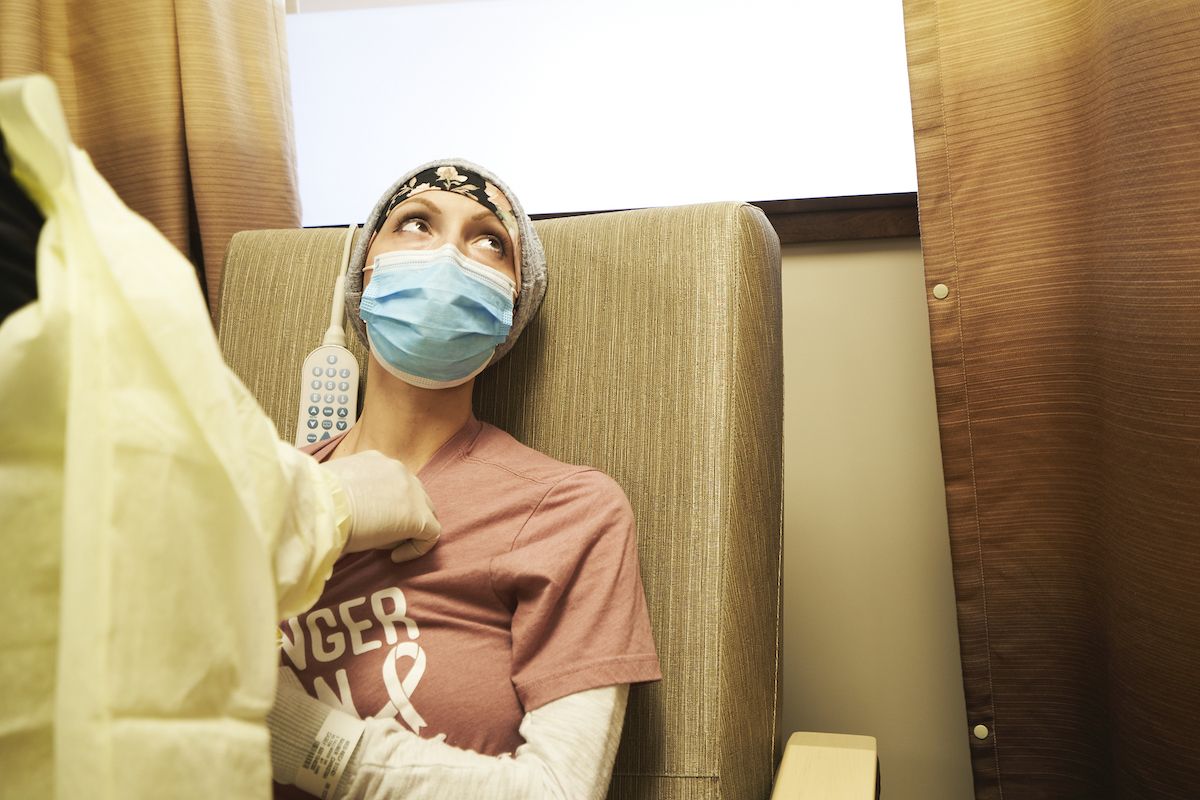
(388, 506)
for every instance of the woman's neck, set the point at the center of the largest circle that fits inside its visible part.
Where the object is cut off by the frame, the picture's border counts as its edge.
(403, 421)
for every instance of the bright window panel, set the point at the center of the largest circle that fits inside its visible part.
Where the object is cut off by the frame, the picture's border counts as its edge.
(585, 106)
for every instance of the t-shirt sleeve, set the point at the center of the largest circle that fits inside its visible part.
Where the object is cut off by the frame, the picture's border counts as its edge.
(573, 579)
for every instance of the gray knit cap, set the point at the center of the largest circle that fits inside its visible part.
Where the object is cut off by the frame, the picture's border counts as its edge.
(532, 258)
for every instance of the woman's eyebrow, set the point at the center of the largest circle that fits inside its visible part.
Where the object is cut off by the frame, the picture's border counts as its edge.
(486, 215)
(421, 201)
(483, 214)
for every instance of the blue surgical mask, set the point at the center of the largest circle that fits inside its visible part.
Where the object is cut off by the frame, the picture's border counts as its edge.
(435, 317)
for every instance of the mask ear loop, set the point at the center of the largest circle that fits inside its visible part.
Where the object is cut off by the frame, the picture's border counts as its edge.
(514, 237)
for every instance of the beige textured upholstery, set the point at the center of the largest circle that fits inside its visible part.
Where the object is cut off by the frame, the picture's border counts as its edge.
(657, 359)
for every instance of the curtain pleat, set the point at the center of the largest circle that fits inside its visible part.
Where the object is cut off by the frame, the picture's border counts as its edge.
(1058, 154)
(183, 105)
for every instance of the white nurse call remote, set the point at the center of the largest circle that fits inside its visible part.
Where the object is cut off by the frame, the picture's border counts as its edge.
(329, 377)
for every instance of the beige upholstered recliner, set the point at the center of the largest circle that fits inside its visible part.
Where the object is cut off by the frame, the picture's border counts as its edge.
(656, 358)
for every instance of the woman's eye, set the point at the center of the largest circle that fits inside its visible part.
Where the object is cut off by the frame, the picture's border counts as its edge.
(493, 243)
(413, 225)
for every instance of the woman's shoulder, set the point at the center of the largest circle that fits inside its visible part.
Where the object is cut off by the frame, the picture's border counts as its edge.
(504, 451)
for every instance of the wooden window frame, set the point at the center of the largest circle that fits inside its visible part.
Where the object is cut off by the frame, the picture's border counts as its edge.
(830, 219)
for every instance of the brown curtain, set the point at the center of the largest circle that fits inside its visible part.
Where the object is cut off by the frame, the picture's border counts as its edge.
(1058, 153)
(183, 105)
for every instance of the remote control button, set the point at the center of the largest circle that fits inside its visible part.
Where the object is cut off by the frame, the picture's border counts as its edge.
(324, 436)
(341, 424)
(315, 397)
(331, 359)
(343, 411)
(313, 411)
(317, 371)
(328, 398)
(312, 437)
(331, 372)
(330, 385)
(327, 424)
(316, 384)
(345, 373)
(343, 399)
(344, 386)
(312, 423)
(328, 411)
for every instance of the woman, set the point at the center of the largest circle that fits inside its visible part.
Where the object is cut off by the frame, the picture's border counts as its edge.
(517, 635)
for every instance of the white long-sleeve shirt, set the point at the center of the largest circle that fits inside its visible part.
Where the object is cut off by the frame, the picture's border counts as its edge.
(570, 745)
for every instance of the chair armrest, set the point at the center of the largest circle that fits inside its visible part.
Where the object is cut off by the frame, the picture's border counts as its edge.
(830, 766)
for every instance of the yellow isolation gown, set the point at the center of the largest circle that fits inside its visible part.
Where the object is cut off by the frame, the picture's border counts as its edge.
(154, 526)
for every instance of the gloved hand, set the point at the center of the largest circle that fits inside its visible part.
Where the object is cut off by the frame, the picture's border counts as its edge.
(388, 506)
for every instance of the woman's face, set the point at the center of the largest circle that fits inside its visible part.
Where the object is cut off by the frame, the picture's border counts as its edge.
(435, 218)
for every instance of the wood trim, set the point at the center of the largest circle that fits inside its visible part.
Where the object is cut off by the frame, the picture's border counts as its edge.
(828, 219)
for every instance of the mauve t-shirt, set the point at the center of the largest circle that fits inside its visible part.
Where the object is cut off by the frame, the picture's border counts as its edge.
(532, 593)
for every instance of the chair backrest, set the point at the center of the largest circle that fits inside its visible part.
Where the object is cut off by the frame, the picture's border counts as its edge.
(657, 358)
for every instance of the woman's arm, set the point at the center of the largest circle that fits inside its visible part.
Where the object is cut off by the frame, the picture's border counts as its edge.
(570, 745)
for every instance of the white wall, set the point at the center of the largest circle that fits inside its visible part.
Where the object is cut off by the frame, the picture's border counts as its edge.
(870, 638)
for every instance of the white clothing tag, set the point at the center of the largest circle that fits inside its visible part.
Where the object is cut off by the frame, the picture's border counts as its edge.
(327, 755)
